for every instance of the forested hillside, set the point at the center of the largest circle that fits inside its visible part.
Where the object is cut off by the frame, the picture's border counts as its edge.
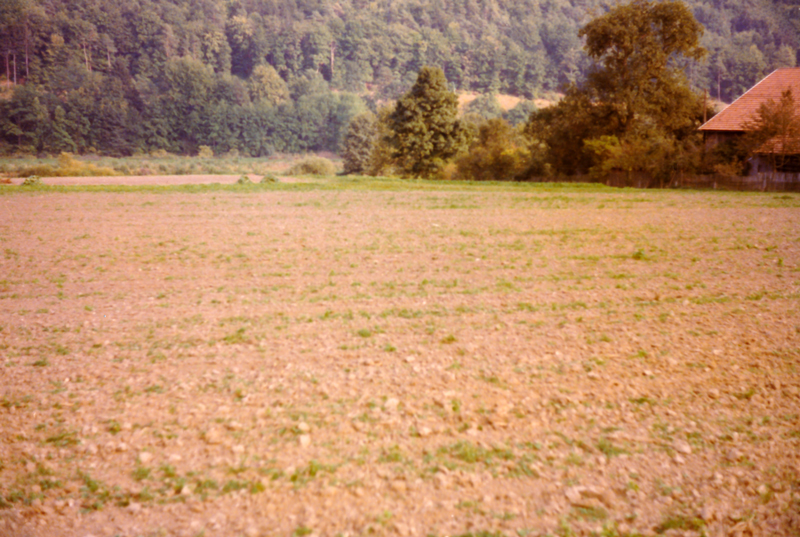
(287, 75)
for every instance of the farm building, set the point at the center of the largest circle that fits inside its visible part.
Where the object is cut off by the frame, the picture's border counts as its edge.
(733, 121)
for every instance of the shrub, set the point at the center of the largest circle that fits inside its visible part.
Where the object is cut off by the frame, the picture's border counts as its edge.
(497, 154)
(33, 180)
(313, 166)
(269, 179)
(68, 166)
(449, 172)
(359, 142)
(244, 180)
(41, 170)
(205, 152)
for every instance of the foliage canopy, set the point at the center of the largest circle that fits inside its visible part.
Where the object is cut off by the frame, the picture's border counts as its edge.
(121, 71)
(635, 111)
(498, 153)
(424, 129)
(634, 46)
(361, 137)
(774, 133)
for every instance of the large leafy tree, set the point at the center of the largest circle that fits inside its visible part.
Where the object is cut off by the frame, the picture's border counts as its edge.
(267, 85)
(635, 46)
(425, 131)
(636, 95)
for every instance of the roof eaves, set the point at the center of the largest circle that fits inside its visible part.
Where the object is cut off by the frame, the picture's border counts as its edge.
(708, 125)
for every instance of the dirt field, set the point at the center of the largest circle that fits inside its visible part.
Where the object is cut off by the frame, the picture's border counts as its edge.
(140, 180)
(520, 362)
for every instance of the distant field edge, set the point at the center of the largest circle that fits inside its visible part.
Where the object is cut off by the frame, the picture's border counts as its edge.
(208, 184)
(225, 184)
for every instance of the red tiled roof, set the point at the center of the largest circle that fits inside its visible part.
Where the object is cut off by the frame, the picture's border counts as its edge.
(780, 145)
(743, 109)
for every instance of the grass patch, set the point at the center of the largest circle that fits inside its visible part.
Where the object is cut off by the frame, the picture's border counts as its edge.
(590, 513)
(680, 522)
(469, 453)
(607, 448)
(64, 439)
(303, 475)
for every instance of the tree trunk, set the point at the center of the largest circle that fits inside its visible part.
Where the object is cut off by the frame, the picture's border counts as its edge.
(27, 59)
(26, 41)
(333, 55)
(705, 106)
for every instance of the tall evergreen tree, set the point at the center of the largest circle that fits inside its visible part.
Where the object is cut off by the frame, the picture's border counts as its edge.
(424, 130)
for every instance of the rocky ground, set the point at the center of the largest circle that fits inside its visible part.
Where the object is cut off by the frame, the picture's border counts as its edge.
(515, 361)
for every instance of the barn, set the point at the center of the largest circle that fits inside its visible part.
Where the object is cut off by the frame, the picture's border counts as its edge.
(733, 122)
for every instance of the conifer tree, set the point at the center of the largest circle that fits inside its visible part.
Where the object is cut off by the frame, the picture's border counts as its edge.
(424, 130)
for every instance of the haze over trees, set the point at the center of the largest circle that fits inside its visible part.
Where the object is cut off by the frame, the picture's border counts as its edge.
(265, 75)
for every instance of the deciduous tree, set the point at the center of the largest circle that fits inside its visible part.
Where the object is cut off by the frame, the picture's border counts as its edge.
(498, 153)
(634, 46)
(358, 142)
(636, 95)
(774, 132)
(266, 85)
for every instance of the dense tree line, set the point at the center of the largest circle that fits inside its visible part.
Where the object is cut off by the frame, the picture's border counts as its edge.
(258, 75)
(635, 111)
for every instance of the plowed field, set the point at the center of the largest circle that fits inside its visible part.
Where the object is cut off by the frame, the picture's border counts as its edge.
(515, 361)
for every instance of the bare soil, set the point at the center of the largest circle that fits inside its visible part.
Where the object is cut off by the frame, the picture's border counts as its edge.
(134, 180)
(399, 363)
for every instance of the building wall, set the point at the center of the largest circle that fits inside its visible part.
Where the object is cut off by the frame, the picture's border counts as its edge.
(714, 138)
